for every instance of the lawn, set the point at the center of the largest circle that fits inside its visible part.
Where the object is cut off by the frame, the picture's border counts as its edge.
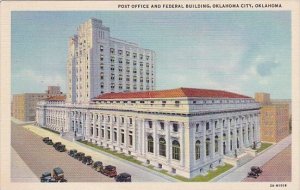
(208, 177)
(113, 152)
(263, 147)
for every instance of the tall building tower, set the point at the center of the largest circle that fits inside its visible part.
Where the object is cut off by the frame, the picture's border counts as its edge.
(98, 63)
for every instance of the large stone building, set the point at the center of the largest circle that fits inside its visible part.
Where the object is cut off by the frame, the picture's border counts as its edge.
(185, 131)
(274, 118)
(98, 63)
(111, 102)
(24, 105)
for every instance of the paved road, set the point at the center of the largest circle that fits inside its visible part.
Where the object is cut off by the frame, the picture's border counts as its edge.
(20, 172)
(240, 173)
(139, 174)
(278, 169)
(40, 157)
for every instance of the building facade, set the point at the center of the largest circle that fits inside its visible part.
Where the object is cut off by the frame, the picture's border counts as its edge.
(274, 119)
(98, 63)
(185, 131)
(24, 105)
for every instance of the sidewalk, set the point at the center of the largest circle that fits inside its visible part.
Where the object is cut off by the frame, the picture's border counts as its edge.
(138, 173)
(241, 172)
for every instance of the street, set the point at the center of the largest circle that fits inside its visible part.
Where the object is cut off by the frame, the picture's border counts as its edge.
(40, 157)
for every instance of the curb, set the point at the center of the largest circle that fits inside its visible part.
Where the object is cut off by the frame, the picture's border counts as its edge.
(130, 163)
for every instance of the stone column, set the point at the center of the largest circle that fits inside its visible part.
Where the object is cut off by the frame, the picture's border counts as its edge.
(234, 134)
(126, 132)
(118, 131)
(87, 125)
(212, 146)
(134, 134)
(246, 132)
(155, 140)
(220, 142)
(111, 129)
(228, 136)
(203, 142)
(168, 145)
(143, 137)
(139, 129)
(182, 145)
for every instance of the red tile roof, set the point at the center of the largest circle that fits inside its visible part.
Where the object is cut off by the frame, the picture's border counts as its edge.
(172, 93)
(56, 98)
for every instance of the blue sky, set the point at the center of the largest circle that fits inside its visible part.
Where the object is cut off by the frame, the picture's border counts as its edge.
(243, 52)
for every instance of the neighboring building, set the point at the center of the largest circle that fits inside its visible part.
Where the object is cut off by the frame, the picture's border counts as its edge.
(98, 63)
(53, 91)
(274, 119)
(185, 131)
(24, 105)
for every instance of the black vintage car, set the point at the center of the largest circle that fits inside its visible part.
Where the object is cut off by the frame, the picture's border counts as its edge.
(61, 148)
(72, 152)
(46, 177)
(109, 171)
(79, 156)
(58, 175)
(256, 169)
(123, 177)
(87, 160)
(49, 142)
(46, 139)
(98, 166)
(253, 174)
(56, 144)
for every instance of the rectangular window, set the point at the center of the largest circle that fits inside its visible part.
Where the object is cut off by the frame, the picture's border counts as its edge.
(102, 133)
(175, 127)
(130, 140)
(122, 138)
(108, 134)
(115, 136)
(162, 125)
(150, 124)
(177, 103)
(101, 48)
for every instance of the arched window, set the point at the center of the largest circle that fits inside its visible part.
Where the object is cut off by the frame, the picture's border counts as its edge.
(150, 143)
(197, 150)
(162, 147)
(207, 146)
(216, 144)
(175, 150)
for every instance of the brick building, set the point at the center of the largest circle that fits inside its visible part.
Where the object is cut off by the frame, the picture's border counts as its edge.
(274, 118)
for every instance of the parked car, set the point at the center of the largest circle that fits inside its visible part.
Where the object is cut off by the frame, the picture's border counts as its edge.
(98, 166)
(56, 144)
(256, 169)
(46, 177)
(49, 142)
(87, 160)
(46, 139)
(79, 156)
(72, 152)
(123, 177)
(109, 171)
(253, 174)
(61, 148)
(58, 175)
